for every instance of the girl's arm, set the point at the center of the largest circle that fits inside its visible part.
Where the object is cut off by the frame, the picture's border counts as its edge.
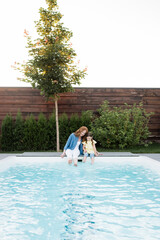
(84, 149)
(95, 150)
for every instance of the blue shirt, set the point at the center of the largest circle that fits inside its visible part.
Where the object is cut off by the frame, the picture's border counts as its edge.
(72, 142)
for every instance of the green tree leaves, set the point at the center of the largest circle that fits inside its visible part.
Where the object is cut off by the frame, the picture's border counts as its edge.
(51, 66)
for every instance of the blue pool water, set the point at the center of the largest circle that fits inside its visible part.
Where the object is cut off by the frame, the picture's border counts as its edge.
(50, 200)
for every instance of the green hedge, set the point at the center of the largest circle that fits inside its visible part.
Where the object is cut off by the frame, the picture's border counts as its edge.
(7, 135)
(112, 128)
(18, 133)
(40, 135)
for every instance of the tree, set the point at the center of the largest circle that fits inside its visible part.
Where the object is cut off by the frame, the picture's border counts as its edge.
(51, 66)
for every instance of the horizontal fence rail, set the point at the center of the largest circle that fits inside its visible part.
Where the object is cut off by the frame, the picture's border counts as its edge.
(28, 100)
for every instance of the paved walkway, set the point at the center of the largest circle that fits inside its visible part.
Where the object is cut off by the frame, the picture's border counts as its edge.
(155, 156)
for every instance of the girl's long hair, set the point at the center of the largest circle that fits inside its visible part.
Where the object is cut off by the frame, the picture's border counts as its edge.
(81, 129)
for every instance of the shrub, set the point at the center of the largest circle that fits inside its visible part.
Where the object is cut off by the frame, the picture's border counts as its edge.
(74, 122)
(64, 130)
(30, 134)
(86, 119)
(18, 133)
(42, 133)
(120, 128)
(7, 133)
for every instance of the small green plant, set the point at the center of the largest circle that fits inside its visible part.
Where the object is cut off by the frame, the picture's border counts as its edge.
(121, 127)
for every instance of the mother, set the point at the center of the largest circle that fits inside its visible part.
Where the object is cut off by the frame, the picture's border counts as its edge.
(73, 147)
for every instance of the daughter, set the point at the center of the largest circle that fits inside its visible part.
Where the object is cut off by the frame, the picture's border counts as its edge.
(89, 147)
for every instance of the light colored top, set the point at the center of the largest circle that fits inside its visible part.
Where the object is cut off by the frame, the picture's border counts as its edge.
(77, 146)
(89, 146)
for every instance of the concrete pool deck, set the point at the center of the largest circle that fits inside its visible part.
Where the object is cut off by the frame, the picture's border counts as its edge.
(155, 156)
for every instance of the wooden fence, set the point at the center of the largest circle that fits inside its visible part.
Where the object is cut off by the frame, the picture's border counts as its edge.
(29, 100)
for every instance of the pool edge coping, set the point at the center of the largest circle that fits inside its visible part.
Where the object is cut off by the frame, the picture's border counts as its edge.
(154, 156)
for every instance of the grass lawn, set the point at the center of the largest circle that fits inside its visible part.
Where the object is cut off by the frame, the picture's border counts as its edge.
(152, 148)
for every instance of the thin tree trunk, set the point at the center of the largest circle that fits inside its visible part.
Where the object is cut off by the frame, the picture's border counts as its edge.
(57, 123)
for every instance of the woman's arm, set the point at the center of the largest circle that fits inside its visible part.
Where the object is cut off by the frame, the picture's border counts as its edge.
(63, 154)
(68, 141)
(66, 145)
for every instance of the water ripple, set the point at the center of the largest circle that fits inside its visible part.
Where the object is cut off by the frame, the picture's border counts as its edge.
(54, 202)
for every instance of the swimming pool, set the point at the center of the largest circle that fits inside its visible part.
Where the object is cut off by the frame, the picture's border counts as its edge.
(46, 199)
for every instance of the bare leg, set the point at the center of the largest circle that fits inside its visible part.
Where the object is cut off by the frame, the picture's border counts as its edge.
(75, 162)
(84, 159)
(69, 161)
(92, 160)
